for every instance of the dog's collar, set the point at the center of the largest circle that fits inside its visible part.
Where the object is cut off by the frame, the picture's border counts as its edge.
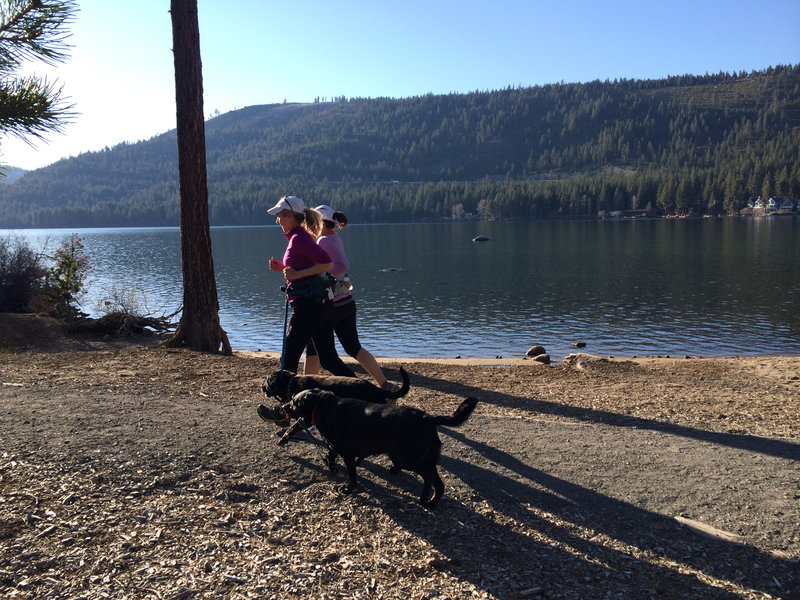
(314, 411)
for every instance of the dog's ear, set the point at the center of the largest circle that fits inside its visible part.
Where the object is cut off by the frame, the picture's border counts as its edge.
(297, 405)
(309, 397)
(300, 397)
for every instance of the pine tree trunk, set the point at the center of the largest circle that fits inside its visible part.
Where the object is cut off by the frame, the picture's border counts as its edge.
(199, 327)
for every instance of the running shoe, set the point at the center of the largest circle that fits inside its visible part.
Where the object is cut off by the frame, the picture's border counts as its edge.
(274, 414)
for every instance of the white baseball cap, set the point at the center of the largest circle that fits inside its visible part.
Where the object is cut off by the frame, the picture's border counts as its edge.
(326, 212)
(291, 203)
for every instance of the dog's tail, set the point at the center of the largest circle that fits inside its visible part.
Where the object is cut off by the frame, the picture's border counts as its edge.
(459, 417)
(403, 388)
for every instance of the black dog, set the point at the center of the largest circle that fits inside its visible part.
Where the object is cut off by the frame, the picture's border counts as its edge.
(285, 384)
(354, 429)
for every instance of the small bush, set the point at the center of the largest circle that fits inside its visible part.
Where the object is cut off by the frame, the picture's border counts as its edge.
(64, 282)
(22, 276)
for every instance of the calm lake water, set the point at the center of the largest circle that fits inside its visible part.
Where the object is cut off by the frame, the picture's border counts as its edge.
(710, 287)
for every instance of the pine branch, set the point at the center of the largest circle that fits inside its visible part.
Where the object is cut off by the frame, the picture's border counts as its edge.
(35, 29)
(30, 107)
(32, 30)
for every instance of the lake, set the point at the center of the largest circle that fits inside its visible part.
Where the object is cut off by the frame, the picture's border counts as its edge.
(705, 287)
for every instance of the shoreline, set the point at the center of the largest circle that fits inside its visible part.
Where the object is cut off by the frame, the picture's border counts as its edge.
(523, 361)
(636, 216)
(34, 333)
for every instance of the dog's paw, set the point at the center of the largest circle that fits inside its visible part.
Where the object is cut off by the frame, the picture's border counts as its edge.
(429, 504)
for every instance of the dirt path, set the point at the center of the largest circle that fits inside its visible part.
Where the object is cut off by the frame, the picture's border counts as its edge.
(146, 473)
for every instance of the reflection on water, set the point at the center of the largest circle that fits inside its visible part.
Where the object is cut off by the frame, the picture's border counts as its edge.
(712, 287)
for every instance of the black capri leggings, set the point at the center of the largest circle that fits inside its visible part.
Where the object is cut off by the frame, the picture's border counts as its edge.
(310, 324)
(343, 321)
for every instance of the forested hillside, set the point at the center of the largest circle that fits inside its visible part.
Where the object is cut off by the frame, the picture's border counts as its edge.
(671, 146)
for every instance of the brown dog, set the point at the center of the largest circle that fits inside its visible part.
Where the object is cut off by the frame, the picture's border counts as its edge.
(355, 429)
(285, 384)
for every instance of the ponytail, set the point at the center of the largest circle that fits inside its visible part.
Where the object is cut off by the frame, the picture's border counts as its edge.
(312, 222)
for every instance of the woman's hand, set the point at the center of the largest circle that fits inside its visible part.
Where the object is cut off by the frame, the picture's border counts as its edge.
(290, 274)
(275, 265)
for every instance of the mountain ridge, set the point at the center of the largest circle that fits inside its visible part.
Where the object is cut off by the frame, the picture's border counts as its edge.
(674, 145)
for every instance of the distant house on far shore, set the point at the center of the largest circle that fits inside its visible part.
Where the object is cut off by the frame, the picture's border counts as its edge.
(780, 206)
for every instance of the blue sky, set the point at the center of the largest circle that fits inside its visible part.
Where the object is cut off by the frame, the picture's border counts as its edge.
(120, 75)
